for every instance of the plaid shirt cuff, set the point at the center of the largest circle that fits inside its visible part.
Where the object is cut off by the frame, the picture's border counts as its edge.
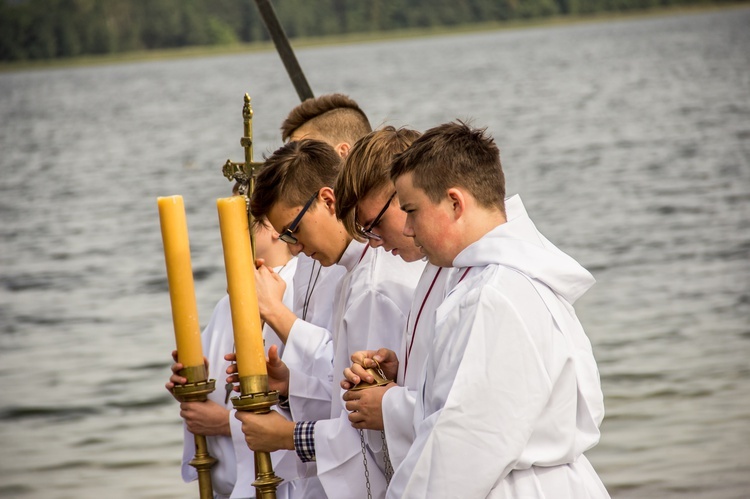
(304, 440)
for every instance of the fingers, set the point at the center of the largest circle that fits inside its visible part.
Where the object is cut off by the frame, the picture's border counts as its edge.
(385, 355)
(363, 357)
(361, 373)
(174, 355)
(273, 356)
(350, 395)
(231, 357)
(259, 262)
(356, 418)
(350, 378)
(175, 378)
(352, 405)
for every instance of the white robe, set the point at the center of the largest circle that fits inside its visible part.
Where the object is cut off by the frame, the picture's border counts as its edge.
(509, 397)
(233, 474)
(399, 402)
(370, 312)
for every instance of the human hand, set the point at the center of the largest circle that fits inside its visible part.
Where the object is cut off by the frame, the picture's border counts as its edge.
(365, 359)
(366, 407)
(270, 288)
(234, 377)
(176, 378)
(266, 432)
(278, 372)
(205, 418)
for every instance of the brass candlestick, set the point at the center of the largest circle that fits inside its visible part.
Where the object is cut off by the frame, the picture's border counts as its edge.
(255, 395)
(257, 398)
(196, 389)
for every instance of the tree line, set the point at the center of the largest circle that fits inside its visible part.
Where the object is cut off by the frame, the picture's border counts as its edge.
(48, 29)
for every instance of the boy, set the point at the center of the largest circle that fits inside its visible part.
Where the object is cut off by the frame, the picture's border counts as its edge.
(293, 192)
(509, 398)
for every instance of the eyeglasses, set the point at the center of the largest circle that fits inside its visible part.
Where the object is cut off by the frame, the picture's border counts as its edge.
(288, 235)
(367, 231)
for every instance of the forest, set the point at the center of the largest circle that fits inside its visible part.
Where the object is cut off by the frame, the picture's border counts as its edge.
(51, 29)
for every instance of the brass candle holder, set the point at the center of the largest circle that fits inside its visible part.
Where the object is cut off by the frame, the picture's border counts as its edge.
(255, 394)
(256, 397)
(196, 389)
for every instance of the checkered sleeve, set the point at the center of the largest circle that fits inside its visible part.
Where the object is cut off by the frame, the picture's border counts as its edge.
(304, 440)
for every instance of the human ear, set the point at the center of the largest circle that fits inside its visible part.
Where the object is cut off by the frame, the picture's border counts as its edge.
(328, 198)
(342, 149)
(457, 201)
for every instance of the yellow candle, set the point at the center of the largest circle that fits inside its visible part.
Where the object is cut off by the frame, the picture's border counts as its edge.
(174, 235)
(243, 300)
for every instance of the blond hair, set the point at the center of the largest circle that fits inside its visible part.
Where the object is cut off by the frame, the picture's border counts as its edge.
(366, 170)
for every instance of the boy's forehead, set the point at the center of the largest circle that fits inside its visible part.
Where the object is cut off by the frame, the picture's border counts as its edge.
(404, 184)
(281, 214)
(369, 205)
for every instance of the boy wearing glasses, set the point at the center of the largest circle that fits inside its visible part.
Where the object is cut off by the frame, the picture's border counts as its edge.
(369, 207)
(509, 398)
(293, 191)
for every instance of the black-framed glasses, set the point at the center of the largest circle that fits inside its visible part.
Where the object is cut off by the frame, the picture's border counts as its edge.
(367, 231)
(288, 235)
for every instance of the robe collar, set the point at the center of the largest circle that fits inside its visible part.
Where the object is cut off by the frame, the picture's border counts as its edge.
(352, 255)
(518, 244)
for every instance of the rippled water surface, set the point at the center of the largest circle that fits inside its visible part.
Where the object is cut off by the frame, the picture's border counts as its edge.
(629, 142)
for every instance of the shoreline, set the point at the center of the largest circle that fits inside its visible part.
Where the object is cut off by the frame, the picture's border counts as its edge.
(358, 38)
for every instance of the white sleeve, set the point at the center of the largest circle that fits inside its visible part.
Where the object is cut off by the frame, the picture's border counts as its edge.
(309, 356)
(398, 420)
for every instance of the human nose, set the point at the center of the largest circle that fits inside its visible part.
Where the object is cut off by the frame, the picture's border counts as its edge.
(295, 249)
(408, 230)
(375, 243)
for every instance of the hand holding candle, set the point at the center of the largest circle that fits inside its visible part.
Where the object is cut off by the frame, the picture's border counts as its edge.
(238, 260)
(174, 235)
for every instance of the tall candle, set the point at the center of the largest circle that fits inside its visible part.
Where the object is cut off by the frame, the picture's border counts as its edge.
(243, 300)
(174, 235)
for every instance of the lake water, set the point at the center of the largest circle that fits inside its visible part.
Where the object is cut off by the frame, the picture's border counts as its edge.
(628, 140)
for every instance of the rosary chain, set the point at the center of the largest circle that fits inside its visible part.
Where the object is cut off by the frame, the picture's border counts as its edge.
(364, 460)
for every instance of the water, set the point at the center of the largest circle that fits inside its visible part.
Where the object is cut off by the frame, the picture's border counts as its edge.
(629, 142)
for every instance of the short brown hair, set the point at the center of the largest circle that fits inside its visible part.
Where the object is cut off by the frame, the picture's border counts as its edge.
(335, 116)
(367, 169)
(292, 174)
(454, 155)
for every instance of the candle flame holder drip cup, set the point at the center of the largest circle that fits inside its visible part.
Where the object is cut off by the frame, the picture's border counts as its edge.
(197, 389)
(258, 398)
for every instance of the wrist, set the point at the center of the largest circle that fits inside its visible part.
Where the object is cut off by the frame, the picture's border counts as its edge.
(288, 439)
(281, 320)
